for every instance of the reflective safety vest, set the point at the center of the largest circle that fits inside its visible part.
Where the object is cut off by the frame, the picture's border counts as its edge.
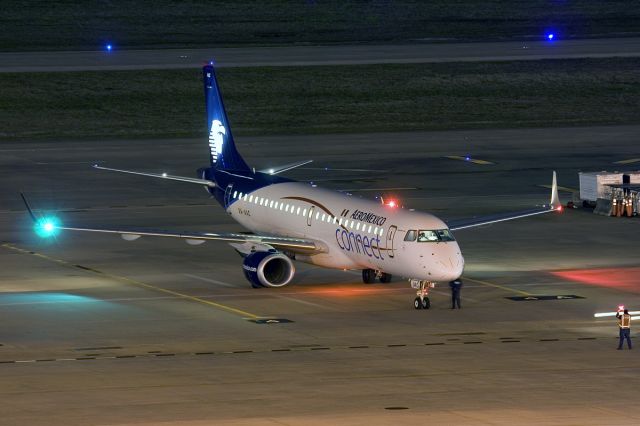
(624, 321)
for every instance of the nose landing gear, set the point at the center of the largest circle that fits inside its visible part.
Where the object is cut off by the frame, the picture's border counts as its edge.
(423, 286)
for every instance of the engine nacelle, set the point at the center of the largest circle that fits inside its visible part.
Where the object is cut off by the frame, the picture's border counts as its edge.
(268, 269)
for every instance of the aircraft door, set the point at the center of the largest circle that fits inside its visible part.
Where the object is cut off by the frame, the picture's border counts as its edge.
(310, 215)
(391, 233)
(227, 195)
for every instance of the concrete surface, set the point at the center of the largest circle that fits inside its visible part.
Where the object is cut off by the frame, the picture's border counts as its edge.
(99, 331)
(418, 52)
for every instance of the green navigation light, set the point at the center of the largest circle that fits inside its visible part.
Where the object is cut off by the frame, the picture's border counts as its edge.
(47, 227)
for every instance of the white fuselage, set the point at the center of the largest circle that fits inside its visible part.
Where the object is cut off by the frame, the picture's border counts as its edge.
(356, 233)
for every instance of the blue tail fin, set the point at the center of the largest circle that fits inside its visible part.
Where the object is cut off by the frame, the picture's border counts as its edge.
(222, 150)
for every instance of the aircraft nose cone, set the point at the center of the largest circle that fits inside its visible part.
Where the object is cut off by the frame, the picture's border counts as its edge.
(450, 266)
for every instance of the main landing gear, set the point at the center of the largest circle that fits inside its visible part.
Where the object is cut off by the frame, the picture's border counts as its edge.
(422, 301)
(369, 276)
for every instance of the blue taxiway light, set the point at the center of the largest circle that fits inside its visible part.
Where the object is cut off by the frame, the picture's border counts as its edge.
(47, 227)
(550, 36)
(109, 47)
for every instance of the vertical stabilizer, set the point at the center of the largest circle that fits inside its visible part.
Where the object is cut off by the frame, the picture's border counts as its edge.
(222, 150)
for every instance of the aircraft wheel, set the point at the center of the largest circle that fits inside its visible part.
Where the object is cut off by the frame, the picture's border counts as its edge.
(368, 276)
(385, 278)
(417, 303)
(426, 303)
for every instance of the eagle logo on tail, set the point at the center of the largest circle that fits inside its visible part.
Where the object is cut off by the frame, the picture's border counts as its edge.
(216, 139)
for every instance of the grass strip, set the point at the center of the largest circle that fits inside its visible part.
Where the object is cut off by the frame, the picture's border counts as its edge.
(302, 100)
(72, 25)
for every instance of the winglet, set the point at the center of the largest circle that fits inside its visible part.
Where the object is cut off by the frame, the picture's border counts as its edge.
(26, 203)
(555, 204)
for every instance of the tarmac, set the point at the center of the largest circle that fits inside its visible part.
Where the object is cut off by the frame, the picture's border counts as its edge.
(96, 330)
(425, 51)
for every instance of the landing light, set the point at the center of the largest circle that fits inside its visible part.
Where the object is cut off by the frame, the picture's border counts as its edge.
(47, 227)
(164, 175)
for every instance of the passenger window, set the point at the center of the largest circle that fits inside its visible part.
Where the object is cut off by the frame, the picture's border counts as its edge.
(411, 235)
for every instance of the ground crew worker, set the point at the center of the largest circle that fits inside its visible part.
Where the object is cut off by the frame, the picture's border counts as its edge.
(624, 323)
(456, 286)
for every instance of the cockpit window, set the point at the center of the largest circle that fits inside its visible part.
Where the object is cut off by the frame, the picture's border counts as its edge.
(411, 235)
(428, 236)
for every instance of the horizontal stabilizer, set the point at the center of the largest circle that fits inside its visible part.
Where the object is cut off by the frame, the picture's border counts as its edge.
(205, 182)
(286, 167)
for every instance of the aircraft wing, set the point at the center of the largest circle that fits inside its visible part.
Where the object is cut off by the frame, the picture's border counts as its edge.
(46, 227)
(554, 205)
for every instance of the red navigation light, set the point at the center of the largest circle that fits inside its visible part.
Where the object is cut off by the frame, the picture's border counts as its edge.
(621, 308)
(559, 208)
(392, 203)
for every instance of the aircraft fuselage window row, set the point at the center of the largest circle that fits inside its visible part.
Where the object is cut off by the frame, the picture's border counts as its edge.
(302, 211)
(429, 236)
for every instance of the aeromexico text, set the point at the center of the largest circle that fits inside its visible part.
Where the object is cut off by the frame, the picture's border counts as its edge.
(368, 217)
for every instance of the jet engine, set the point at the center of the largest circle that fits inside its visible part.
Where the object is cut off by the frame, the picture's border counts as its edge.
(268, 269)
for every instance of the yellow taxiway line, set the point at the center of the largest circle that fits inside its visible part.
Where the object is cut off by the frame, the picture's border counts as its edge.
(560, 188)
(629, 161)
(501, 287)
(240, 312)
(468, 159)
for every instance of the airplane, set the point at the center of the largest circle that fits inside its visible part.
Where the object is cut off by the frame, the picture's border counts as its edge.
(291, 220)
